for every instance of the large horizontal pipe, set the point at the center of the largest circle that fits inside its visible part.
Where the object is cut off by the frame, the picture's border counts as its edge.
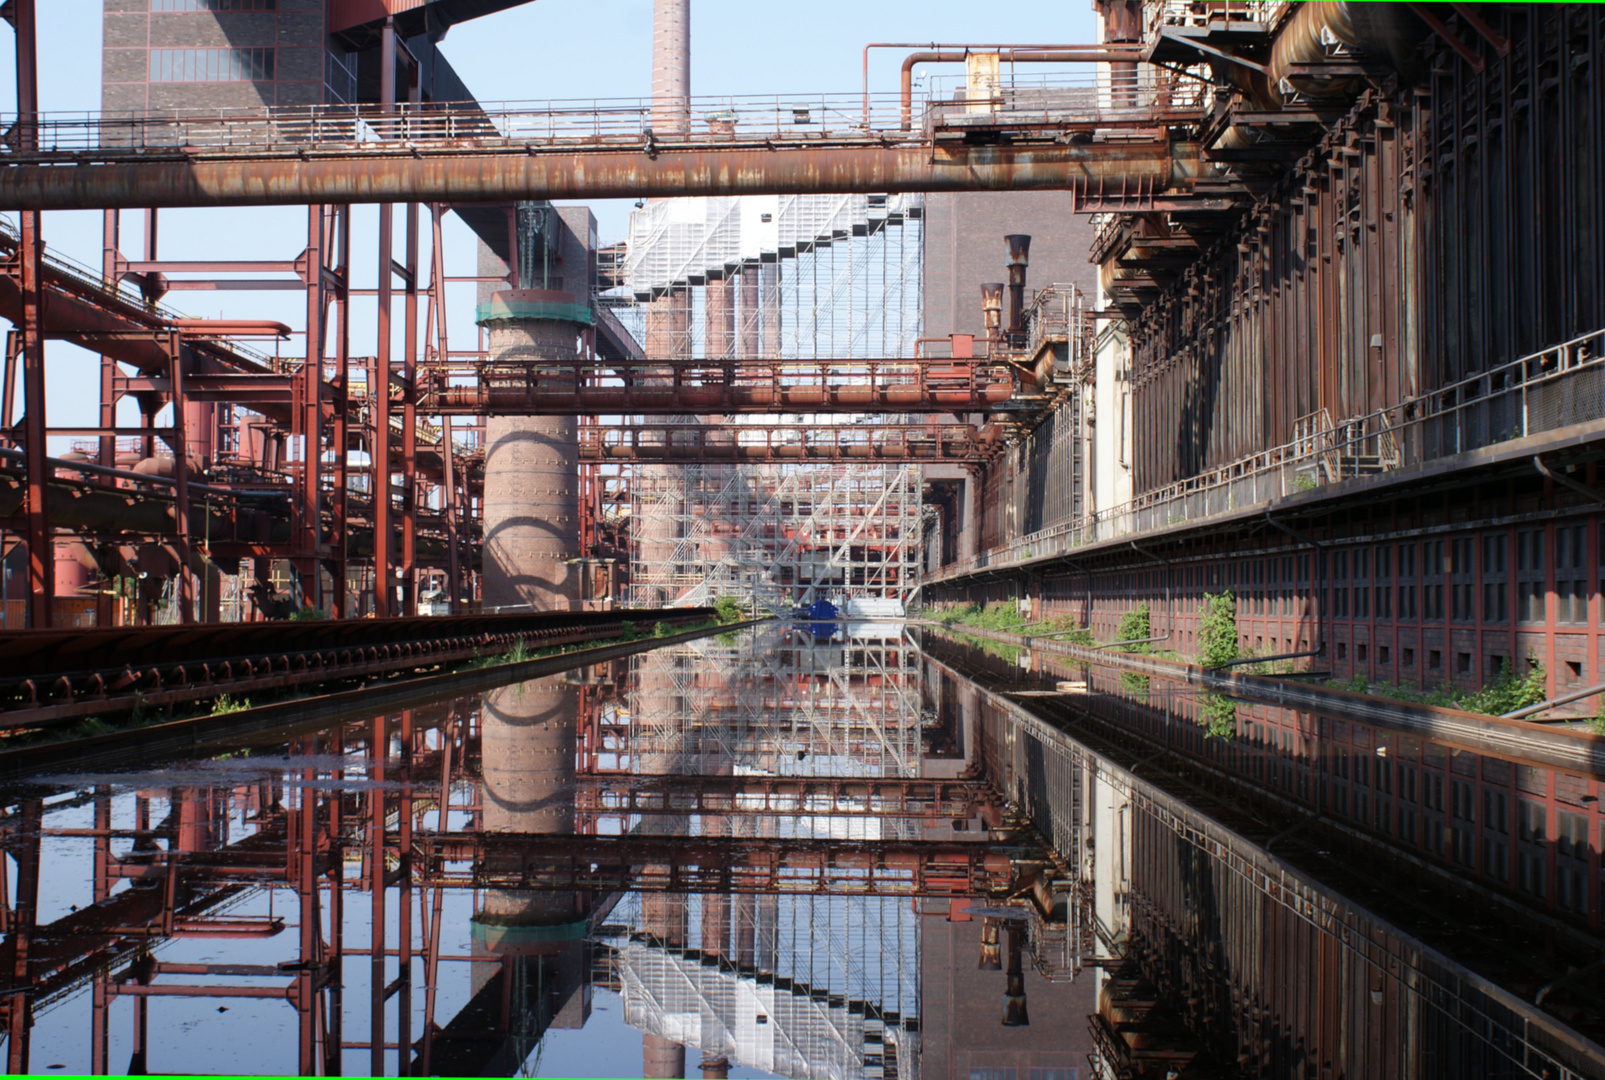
(506, 171)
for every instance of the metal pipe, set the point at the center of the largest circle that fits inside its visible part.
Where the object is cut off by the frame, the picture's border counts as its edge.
(1070, 54)
(1267, 659)
(518, 173)
(1545, 706)
(936, 46)
(1567, 482)
(1019, 248)
(1118, 644)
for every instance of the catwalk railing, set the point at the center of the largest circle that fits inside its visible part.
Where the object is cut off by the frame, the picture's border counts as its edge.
(1547, 390)
(764, 119)
(784, 442)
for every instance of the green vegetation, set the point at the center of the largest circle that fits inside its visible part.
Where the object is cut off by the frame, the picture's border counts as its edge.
(1004, 616)
(1217, 630)
(727, 609)
(1217, 716)
(1134, 627)
(1596, 723)
(308, 613)
(1133, 683)
(627, 631)
(225, 705)
(1507, 692)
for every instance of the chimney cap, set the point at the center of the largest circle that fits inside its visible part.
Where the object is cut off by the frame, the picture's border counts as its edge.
(1019, 245)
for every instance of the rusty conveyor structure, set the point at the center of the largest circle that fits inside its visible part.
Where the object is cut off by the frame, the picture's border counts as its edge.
(52, 677)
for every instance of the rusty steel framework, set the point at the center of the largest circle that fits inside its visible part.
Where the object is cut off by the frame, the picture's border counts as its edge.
(299, 474)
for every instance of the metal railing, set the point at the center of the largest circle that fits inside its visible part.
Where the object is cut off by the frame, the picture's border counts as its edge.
(1061, 311)
(787, 119)
(1554, 388)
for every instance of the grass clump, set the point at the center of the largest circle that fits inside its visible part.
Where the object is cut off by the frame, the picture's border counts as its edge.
(226, 704)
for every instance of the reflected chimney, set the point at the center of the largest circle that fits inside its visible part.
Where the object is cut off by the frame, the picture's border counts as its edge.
(1014, 1011)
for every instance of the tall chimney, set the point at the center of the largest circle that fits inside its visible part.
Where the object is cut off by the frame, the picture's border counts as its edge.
(671, 67)
(1019, 258)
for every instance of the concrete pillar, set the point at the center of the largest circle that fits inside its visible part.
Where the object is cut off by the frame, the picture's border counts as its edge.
(662, 1058)
(531, 511)
(719, 319)
(770, 313)
(750, 325)
(528, 736)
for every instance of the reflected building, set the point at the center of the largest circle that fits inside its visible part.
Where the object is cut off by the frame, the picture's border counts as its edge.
(1243, 894)
(831, 859)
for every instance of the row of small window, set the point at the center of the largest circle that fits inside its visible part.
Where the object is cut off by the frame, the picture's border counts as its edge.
(211, 65)
(1571, 602)
(1455, 840)
(214, 5)
(1456, 556)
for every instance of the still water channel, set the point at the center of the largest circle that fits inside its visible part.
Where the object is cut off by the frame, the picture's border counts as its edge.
(782, 855)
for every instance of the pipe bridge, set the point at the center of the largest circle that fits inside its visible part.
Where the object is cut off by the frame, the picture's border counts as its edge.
(746, 443)
(462, 153)
(667, 387)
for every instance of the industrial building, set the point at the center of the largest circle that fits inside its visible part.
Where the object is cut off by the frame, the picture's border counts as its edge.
(1160, 479)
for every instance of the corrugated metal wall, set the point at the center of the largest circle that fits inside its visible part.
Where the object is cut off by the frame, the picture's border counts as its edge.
(1437, 231)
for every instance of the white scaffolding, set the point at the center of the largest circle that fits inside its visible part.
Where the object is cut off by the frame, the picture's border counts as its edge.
(781, 535)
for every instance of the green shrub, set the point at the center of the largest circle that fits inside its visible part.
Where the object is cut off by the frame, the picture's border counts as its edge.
(1134, 627)
(308, 613)
(627, 630)
(1217, 630)
(727, 609)
(1507, 692)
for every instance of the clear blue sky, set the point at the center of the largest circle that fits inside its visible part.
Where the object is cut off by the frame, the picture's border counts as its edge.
(541, 50)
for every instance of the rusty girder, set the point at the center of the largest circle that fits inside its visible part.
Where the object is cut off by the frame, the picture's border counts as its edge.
(697, 443)
(77, 308)
(722, 864)
(54, 676)
(662, 387)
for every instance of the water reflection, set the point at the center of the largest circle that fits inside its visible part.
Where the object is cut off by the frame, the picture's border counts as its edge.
(812, 857)
(1300, 895)
(717, 858)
